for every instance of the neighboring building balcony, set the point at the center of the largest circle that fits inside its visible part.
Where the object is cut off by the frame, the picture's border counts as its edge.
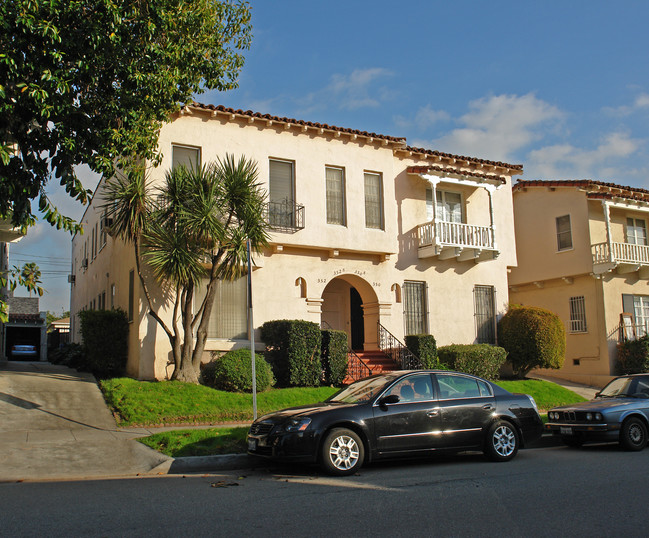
(286, 216)
(464, 242)
(621, 257)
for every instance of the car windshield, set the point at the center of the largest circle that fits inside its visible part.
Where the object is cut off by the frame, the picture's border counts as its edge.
(363, 390)
(617, 388)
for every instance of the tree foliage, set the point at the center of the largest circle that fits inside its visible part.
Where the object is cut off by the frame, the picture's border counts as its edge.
(533, 337)
(92, 81)
(29, 277)
(196, 230)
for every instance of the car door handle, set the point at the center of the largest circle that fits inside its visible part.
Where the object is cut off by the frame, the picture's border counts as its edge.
(433, 413)
(488, 407)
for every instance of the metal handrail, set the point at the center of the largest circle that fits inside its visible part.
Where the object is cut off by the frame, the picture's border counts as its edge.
(356, 367)
(400, 354)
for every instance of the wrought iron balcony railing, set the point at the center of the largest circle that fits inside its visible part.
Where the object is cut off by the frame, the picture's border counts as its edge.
(285, 216)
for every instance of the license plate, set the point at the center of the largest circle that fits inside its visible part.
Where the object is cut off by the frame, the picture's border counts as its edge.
(252, 444)
(566, 431)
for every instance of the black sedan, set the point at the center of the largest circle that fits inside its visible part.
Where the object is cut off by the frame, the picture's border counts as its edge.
(396, 414)
(619, 412)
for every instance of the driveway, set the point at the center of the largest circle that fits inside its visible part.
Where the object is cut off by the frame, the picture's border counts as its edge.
(54, 424)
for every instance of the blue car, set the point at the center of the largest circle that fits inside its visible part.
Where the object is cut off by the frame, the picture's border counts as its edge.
(619, 413)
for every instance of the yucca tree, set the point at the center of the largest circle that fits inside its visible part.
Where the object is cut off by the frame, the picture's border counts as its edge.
(194, 228)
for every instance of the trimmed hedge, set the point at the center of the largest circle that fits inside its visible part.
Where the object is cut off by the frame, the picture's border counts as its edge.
(633, 356)
(533, 337)
(72, 355)
(293, 351)
(425, 347)
(334, 357)
(105, 340)
(483, 360)
(233, 372)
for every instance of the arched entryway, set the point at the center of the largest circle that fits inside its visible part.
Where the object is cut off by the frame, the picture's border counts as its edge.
(350, 304)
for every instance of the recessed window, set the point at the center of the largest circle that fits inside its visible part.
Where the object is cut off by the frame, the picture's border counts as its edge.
(449, 206)
(414, 307)
(335, 178)
(187, 156)
(578, 315)
(373, 201)
(484, 299)
(564, 233)
(229, 317)
(636, 231)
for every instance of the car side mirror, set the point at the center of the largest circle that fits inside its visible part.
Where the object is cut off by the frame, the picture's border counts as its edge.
(387, 400)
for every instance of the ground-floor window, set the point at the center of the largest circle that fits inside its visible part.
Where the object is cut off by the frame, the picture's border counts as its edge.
(578, 315)
(229, 317)
(484, 302)
(414, 307)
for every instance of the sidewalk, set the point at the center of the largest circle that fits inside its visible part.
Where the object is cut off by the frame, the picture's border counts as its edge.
(54, 424)
(586, 391)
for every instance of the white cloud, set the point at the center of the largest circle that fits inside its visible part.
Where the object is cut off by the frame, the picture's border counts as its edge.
(565, 161)
(498, 126)
(359, 89)
(641, 102)
(425, 118)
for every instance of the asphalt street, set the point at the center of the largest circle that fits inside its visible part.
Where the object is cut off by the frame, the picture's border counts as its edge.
(595, 491)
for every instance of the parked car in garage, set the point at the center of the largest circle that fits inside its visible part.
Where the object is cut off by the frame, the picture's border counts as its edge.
(619, 412)
(398, 414)
(24, 351)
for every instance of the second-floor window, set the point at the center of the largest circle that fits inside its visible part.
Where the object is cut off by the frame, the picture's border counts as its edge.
(187, 156)
(564, 233)
(281, 195)
(373, 201)
(335, 178)
(449, 206)
(636, 231)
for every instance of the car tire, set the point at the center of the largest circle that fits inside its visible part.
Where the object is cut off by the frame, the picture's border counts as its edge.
(633, 434)
(572, 442)
(502, 441)
(343, 452)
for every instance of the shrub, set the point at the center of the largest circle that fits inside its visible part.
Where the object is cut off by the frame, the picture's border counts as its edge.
(233, 372)
(482, 360)
(293, 350)
(105, 341)
(425, 347)
(633, 356)
(71, 355)
(533, 337)
(334, 357)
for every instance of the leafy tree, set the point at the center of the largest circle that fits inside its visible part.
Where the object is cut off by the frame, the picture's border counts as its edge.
(533, 337)
(29, 276)
(196, 229)
(92, 81)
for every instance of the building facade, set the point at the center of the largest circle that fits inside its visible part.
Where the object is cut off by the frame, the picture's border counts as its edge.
(583, 254)
(366, 233)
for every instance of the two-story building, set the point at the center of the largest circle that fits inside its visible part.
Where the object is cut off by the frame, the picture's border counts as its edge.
(583, 254)
(368, 235)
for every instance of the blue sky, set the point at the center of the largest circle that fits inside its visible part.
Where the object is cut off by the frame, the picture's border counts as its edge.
(560, 87)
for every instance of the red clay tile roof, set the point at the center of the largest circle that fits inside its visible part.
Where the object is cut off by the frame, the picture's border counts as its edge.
(468, 173)
(397, 140)
(472, 160)
(599, 189)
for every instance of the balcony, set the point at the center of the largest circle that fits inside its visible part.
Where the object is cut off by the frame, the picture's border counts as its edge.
(285, 216)
(621, 257)
(464, 242)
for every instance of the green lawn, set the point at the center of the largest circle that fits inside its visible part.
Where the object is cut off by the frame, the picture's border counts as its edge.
(170, 402)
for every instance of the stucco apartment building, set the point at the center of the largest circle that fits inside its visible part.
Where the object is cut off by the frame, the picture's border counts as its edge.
(583, 254)
(366, 232)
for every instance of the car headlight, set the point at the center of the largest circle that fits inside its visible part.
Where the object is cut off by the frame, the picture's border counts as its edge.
(589, 416)
(533, 402)
(297, 424)
(598, 417)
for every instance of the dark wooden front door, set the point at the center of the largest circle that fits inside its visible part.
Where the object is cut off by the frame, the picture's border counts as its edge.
(357, 322)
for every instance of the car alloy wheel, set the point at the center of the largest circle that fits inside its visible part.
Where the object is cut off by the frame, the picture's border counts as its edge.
(342, 452)
(502, 441)
(633, 435)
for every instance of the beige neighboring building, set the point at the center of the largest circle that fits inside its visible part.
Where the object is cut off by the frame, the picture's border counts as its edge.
(583, 254)
(367, 232)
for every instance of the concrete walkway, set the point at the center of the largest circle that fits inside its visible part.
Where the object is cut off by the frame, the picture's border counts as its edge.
(583, 390)
(54, 424)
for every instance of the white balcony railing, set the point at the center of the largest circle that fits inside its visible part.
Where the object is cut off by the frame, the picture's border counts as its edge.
(620, 253)
(455, 234)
